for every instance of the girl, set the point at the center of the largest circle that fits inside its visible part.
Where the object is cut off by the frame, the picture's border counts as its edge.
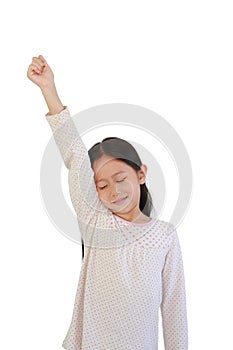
(133, 263)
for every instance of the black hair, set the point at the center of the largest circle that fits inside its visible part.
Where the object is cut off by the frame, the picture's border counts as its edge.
(124, 151)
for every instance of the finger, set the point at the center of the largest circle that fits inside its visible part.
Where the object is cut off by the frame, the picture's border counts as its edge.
(42, 59)
(37, 62)
(34, 68)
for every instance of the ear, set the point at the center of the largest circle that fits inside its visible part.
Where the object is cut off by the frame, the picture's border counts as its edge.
(142, 174)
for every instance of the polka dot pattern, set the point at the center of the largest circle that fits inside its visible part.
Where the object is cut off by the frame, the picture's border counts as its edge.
(130, 271)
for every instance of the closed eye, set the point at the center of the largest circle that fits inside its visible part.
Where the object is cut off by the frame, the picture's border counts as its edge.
(101, 188)
(122, 180)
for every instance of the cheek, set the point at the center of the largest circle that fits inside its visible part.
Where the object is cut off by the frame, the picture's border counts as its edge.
(129, 186)
(133, 189)
(124, 187)
(103, 195)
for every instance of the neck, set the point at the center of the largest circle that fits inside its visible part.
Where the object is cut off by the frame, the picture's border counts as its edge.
(134, 216)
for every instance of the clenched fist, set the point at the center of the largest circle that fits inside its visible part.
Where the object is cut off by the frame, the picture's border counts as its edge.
(40, 73)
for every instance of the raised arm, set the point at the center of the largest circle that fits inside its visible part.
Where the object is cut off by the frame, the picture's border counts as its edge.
(173, 306)
(91, 213)
(83, 193)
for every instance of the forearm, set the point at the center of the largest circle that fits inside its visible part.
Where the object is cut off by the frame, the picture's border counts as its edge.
(52, 99)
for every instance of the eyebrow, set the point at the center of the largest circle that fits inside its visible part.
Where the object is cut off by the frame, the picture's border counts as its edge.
(118, 172)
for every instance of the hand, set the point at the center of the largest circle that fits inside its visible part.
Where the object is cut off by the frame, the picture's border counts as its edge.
(40, 73)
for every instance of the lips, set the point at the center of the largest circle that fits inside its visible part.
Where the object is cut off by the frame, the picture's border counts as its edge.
(119, 201)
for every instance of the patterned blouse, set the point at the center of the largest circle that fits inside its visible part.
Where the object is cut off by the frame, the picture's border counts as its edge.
(130, 271)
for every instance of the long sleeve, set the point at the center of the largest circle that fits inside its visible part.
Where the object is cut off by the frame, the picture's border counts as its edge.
(173, 305)
(89, 209)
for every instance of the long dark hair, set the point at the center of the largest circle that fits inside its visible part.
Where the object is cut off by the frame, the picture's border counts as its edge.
(123, 150)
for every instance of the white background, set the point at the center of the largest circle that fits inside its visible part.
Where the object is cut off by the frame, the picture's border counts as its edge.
(173, 57)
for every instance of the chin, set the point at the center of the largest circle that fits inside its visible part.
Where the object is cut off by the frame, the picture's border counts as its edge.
(114, 208)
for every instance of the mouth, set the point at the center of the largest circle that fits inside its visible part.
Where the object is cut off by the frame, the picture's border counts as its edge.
(120, 201)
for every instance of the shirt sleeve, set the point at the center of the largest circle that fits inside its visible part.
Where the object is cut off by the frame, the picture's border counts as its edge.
(173, 305)
(82, 188)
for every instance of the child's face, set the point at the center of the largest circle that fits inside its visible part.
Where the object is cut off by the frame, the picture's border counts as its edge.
(112, 187)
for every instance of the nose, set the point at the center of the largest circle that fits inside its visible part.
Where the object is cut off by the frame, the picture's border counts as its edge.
(114, 192)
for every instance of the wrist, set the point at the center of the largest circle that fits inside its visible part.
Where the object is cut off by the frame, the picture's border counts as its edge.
(49, 89)
(52, 99)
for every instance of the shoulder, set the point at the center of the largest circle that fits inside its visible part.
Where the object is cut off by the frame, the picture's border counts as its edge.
(164, 232)
(165, 227)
